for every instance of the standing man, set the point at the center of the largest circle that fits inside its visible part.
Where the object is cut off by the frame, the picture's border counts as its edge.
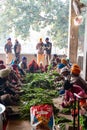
(17, 50)
(40, 53)
(8, 51)
(48, 48)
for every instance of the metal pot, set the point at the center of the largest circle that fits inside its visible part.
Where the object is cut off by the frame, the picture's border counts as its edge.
(2, 109)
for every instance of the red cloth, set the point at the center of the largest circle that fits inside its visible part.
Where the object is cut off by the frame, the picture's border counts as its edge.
(15, 67)
(75, 89)
(33, 65)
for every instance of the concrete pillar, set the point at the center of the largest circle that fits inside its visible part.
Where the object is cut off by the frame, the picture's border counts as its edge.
(85, 51)
(73, 35)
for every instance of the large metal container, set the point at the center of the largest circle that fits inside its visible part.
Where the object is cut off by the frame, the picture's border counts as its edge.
(2, 109)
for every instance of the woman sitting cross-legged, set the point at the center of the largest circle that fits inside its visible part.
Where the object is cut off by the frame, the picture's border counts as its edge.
(70, 89)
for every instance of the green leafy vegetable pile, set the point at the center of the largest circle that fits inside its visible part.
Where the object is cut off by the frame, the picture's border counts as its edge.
(83, 122)
(39, 88)
(44, 80)
(59, 120)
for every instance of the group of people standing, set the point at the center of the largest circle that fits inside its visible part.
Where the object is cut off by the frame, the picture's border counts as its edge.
(8, 50)
(44, 51)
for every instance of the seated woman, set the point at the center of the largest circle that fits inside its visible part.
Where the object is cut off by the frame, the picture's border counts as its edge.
(13, 78)
(33, 67)
(19, 71)
(61, 65)
(46, 68)
(23, 64)
(65, 73)
(54, 59)
(2, 66)
(64, 63)
(41, 68)
(76, 78)
(7, 90)
(6, 80)
(70, 89)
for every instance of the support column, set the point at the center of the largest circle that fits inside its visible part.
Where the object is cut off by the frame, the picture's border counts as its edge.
(73, 35)
(85, 51)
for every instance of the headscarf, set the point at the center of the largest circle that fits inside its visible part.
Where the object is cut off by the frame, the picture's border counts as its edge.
(65, 69)
(75, 69)
(5, 72)
(63, 61)
(24, 58)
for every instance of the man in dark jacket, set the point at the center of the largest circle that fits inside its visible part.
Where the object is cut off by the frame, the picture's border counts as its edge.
(48, 48)
(8, 51)
(17, 50)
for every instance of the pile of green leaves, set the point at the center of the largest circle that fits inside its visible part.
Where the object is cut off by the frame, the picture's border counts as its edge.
(35, 96)
(44, 80)
(38, 89)
(83, 122)
(59, 120)
(66, 110)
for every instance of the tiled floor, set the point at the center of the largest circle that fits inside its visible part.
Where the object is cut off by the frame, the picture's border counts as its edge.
(18, 125)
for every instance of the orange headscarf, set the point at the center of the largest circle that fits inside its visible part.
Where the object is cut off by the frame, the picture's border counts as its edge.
(63, 61)
(75, 69)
